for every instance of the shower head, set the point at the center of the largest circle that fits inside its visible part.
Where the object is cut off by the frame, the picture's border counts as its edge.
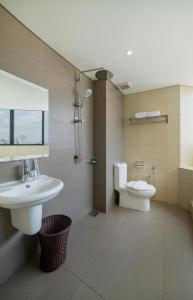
(87, 94)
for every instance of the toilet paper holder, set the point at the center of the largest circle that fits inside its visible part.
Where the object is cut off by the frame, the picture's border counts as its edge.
(139, 164)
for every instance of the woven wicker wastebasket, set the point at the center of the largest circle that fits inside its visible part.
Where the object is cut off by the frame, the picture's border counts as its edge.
(53, 241)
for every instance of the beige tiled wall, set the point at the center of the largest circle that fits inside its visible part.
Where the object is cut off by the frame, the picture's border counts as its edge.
(186, 126)
(185, 187)
(156, 144)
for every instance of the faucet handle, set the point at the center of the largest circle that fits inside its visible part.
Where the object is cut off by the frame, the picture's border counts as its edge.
(26, 165)
(36, 166)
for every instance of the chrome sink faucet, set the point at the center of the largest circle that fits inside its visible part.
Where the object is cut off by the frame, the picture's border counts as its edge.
(30, 170)
(26, 173)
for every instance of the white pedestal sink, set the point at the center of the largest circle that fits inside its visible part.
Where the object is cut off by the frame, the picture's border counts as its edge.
(25, 200)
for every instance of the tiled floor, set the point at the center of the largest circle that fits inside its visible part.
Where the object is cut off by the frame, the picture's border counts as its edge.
(119, 256)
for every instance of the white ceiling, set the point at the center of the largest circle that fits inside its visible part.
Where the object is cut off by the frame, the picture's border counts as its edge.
(97, 33)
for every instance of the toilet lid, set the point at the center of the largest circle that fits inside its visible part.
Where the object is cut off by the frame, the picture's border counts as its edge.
(148, 187)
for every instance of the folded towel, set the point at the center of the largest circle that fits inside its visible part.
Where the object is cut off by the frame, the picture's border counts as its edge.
(153, 114)
(138, 185)
(140, 115)
(130, 184)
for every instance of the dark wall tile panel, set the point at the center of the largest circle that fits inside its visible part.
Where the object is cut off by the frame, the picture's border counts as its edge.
(25, 55)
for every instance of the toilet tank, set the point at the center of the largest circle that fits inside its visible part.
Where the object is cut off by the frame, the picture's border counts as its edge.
(120, 175)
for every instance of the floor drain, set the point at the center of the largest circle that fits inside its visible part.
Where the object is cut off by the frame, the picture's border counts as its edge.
(93, 213)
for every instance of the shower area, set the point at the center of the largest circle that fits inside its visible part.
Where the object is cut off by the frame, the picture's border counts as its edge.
(81, 101)
(107, 133)
(81, 147)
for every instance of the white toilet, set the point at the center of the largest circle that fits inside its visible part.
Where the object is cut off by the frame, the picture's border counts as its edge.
(129, 197)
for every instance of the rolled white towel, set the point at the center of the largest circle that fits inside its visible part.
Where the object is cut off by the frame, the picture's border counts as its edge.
(130, 184)
(141, 114)
(153, 114)
(140, 185)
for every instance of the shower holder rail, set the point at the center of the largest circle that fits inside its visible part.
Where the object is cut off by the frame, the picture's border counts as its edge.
(158, 119)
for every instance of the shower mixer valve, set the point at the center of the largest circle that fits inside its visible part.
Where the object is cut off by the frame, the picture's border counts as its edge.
(77, 120)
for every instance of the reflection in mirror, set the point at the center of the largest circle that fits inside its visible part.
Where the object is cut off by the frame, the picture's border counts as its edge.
(46, 126)
(4, 127)
(23, 119)
(28, 127)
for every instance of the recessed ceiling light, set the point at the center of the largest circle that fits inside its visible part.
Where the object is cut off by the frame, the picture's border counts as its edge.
(129, 52)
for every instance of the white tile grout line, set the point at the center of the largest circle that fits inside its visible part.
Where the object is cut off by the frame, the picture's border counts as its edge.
(108, 239)
(83, 282)
(127, 263)
(162, 259)
(29, 292)
(105, 244)
(94, 259)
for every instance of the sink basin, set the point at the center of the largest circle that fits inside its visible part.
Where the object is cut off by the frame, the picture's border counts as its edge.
(19, 194)
(25, 200)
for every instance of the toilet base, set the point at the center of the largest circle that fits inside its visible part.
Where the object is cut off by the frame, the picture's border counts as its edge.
(132, 202)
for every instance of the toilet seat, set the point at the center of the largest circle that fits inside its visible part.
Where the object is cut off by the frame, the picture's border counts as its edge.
(142, 194)
(148, 188)
(139, 194)
(128, 196)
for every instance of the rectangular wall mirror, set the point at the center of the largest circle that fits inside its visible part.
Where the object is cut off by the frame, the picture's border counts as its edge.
(24, 108)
